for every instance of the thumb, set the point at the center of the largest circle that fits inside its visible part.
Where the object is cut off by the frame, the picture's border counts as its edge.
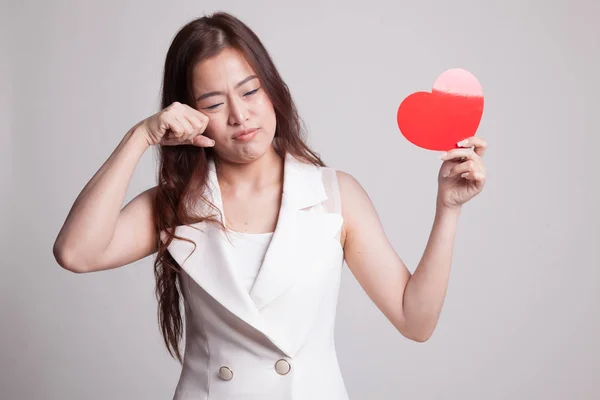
(203, 141)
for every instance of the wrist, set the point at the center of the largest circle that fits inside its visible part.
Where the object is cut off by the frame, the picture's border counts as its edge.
(442, 208)
(139, 137)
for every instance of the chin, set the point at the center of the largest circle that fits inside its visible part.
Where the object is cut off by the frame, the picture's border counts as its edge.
(249, 152)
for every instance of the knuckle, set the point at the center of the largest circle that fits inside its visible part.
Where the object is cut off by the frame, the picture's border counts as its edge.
(203, 119)
(165, 118)
(202, 125)
(168, 113)
(196, 124)
(176, 107)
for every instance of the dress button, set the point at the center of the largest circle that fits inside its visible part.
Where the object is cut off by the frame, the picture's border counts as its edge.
(282, 367)
(225, 373)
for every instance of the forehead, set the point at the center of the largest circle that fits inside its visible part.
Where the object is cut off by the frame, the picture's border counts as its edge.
(226, 68)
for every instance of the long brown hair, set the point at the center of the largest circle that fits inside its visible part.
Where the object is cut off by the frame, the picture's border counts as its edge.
(183, 170)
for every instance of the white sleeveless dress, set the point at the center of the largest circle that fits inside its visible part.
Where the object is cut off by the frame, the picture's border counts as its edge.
(248, 251)
(260, 308)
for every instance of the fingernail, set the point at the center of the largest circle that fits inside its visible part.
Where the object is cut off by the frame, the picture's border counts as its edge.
(463, 142)
(445, 174)
(464, 175)
(443, 155)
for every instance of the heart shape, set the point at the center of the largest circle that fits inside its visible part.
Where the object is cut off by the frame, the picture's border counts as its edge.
(447, 115)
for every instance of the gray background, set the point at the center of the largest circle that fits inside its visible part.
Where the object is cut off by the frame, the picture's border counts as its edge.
(521, 318)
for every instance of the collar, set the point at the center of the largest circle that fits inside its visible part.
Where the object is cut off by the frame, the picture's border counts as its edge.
(302, 184)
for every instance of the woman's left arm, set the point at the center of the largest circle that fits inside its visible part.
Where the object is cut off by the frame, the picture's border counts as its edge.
(412, 303)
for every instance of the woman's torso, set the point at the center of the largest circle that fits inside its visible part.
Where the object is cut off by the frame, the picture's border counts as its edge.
(260, 309)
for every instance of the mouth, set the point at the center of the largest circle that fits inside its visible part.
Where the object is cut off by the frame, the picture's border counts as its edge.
(244, 134)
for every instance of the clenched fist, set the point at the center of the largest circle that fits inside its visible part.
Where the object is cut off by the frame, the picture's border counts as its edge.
(175, 125)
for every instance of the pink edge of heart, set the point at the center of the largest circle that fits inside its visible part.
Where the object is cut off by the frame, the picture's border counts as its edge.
(458, 81)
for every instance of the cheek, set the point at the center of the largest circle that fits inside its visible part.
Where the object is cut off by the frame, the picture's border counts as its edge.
(267, 111)
(215, 127)
(265, 104)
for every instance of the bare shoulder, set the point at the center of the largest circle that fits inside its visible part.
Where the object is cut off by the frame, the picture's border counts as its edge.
(356, 204)
(347, 182)
(352, 193)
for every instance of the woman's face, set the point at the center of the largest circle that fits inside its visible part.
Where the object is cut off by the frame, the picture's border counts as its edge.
(227, 90)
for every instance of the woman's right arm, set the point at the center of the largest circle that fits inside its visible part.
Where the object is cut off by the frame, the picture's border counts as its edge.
(98, 234)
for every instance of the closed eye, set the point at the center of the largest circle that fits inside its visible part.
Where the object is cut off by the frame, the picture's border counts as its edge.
(250, 93)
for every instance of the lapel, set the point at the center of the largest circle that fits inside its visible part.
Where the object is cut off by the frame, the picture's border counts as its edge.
(205, 251)
(298, 234)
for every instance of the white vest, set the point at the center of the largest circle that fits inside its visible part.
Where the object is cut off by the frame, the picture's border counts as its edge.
(275, 341)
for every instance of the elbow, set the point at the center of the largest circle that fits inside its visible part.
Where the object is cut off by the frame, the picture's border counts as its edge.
(416, 335)
(418, 338)
(67, 260)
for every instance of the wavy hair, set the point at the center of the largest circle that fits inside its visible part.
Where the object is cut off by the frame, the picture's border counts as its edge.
(183, 169)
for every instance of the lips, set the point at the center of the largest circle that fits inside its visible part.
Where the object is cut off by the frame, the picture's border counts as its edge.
(244, 132)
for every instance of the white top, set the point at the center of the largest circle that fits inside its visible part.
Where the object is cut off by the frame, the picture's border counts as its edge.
(248, 253)
(275, 341)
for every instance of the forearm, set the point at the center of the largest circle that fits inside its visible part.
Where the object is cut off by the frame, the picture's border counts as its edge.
(91, 222)
(426, 289)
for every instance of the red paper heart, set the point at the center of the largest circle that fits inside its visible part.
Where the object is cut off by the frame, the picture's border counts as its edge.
(447, 115)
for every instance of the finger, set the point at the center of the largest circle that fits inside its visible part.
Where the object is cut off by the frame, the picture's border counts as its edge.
(478, 143)
(173, 141)
(197, 124)
(200, 122)
(460, 154)
(188, 130)
(467, 166)
(175, 129)
(475, 176)
(202, 141)
(169, 142)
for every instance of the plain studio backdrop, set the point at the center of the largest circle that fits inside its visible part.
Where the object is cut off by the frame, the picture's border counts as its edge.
(522, 314)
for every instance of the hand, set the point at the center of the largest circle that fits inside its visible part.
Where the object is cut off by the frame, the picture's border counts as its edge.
(462, 174)
(177, 124)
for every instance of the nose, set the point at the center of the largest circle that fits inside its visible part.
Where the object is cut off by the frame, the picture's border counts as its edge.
(238, 114)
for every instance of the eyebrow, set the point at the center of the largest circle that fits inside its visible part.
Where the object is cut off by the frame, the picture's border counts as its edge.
(209, 94)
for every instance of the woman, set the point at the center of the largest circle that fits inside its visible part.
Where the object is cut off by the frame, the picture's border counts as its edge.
(251, 228)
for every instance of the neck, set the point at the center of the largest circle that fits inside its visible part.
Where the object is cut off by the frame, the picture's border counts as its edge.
(263, 172)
